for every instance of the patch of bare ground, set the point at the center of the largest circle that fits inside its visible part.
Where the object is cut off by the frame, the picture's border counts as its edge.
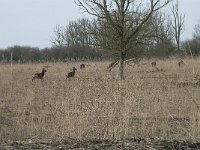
(97, 144)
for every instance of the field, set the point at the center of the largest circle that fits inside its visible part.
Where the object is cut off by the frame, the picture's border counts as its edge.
(160, 102)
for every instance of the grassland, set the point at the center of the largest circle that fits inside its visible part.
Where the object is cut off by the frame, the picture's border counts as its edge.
(160, 102)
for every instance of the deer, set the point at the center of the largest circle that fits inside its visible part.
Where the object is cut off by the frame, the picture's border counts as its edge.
(39, 75)
(153, 64)
(71, 74)
(180, 63)
(82, 66)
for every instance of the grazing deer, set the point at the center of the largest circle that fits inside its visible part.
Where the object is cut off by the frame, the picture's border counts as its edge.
(82, 66)
(39, 75)
(71, 74)
(153, 64)
(181, 63)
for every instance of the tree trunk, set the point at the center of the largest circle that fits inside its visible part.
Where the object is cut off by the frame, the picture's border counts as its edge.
(121, 65)
(178, 45)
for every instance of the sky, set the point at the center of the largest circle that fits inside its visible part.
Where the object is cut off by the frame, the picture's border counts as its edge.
(32, 22)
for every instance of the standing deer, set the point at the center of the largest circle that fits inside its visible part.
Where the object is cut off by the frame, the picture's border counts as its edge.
(71, 74)
(181, 63)
(39, 75)
(82, 66)
(153, 64)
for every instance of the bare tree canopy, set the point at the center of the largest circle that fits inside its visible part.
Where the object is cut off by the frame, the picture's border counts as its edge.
(196, 33)
(58, 40)
(126, 21)
(76, 33)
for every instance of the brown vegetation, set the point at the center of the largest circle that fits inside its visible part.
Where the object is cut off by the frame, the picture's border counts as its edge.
(149, 103)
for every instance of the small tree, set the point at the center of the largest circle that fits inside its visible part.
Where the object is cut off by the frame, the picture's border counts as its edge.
(162, 43)
(125, 20)
(58, 40)
(193, 45)
(196, 34)
(177, 24)
(76, 33)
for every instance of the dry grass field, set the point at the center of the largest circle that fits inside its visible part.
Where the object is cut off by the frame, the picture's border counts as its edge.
(160, 102)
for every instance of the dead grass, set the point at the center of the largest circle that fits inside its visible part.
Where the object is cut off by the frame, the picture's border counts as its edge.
(151, 102)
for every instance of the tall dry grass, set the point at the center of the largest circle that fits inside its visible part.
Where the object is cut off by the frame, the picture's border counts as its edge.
(151, 102)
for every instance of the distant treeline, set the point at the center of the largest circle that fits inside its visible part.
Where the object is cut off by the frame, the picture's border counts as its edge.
(34, 54)
(25, 54)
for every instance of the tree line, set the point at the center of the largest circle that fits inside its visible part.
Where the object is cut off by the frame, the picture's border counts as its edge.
(24, 54)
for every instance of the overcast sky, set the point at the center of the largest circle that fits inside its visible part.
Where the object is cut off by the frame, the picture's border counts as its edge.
(31, 22)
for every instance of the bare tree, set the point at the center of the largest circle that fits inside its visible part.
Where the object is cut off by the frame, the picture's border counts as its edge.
(58, 40)
(161, 43)
(178, 23)
(163, 27)
(196, 33)
(76, 33)
(126, 19)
